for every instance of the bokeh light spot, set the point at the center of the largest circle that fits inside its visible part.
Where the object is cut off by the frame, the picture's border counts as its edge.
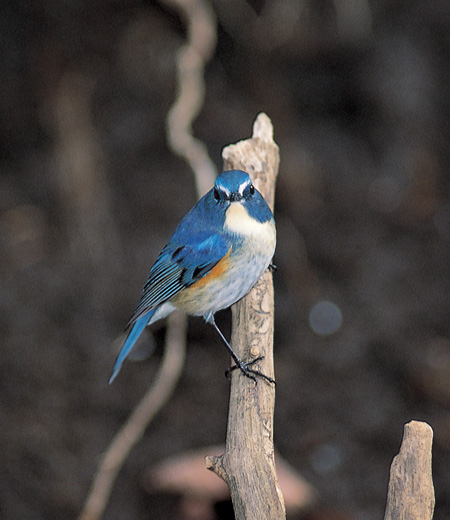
(325, 318)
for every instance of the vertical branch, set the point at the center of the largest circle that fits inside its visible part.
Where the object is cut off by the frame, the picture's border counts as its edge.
(411, 492)
(247, 465)
(82, 181)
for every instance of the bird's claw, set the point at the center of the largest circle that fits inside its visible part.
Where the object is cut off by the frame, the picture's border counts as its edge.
(249, 372)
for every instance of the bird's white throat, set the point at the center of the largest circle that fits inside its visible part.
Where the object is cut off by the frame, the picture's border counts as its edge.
(237, 220)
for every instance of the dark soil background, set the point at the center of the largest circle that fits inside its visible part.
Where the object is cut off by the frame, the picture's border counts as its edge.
(359, 95)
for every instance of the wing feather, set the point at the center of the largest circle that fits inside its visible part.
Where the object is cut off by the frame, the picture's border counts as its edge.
(179, 266)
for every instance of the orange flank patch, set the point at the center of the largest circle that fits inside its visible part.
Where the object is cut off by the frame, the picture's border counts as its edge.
(196, 299)
(216, 272)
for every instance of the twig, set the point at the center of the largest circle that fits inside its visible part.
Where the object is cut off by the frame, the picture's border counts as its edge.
(411, 492)
(191, 61)
(190, 66)
(134, 428)
(247, 465)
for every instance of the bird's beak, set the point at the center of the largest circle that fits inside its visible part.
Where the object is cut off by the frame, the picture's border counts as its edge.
(235, 197)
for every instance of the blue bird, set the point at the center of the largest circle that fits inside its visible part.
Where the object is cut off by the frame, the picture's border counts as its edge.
(215, 256)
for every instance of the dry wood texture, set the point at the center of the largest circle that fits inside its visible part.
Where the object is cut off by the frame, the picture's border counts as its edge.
(247, 465)
(411, 492)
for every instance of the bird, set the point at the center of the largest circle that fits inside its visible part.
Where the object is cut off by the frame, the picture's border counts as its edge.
(217, 253)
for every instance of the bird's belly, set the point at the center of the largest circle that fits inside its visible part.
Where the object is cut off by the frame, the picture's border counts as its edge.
(213, 293)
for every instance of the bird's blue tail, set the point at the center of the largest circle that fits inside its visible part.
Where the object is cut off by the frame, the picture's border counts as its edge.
(133, 336)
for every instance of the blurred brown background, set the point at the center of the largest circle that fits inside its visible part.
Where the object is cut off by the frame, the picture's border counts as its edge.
(359, 95)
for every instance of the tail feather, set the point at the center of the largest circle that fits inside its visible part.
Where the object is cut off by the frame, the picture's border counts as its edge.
(133, 336)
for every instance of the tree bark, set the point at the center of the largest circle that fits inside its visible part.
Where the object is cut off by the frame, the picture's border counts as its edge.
(411, 492)
(247, 465)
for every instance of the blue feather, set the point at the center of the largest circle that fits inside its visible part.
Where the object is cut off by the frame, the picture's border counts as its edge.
(179, 266)
(133, 336)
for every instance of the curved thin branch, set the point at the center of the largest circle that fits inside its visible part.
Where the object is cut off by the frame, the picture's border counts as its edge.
(191, 61)
(155, 398)
(190, 65)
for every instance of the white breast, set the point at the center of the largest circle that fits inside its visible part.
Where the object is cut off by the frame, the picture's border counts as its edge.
(261, 234)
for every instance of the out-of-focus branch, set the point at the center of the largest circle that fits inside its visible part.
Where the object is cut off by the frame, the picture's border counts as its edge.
(82, 184)
(190, 65)
(135, 426)
(248, 465)
(191, 61)
(411, 491)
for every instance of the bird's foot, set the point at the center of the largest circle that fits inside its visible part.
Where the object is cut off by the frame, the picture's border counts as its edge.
(272, 268)
(251, 373)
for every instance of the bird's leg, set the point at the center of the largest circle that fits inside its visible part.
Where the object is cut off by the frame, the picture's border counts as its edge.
(243, 367)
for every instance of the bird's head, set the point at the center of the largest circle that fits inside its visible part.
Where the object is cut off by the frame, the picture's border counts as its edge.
(233, 186)
(241, 202)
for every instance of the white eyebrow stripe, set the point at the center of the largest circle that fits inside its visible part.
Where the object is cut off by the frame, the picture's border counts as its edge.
(243, 186)
(224, 189)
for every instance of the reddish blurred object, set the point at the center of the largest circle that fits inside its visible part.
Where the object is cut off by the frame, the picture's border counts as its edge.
(200, 489)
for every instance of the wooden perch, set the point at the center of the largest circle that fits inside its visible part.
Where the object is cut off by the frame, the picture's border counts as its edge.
(247, 465)
(411, 492)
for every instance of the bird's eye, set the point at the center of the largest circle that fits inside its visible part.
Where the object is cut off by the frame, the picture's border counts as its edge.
(216, 194)
(251, 189)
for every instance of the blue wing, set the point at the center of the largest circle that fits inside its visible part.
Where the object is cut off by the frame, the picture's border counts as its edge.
(180, 264)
